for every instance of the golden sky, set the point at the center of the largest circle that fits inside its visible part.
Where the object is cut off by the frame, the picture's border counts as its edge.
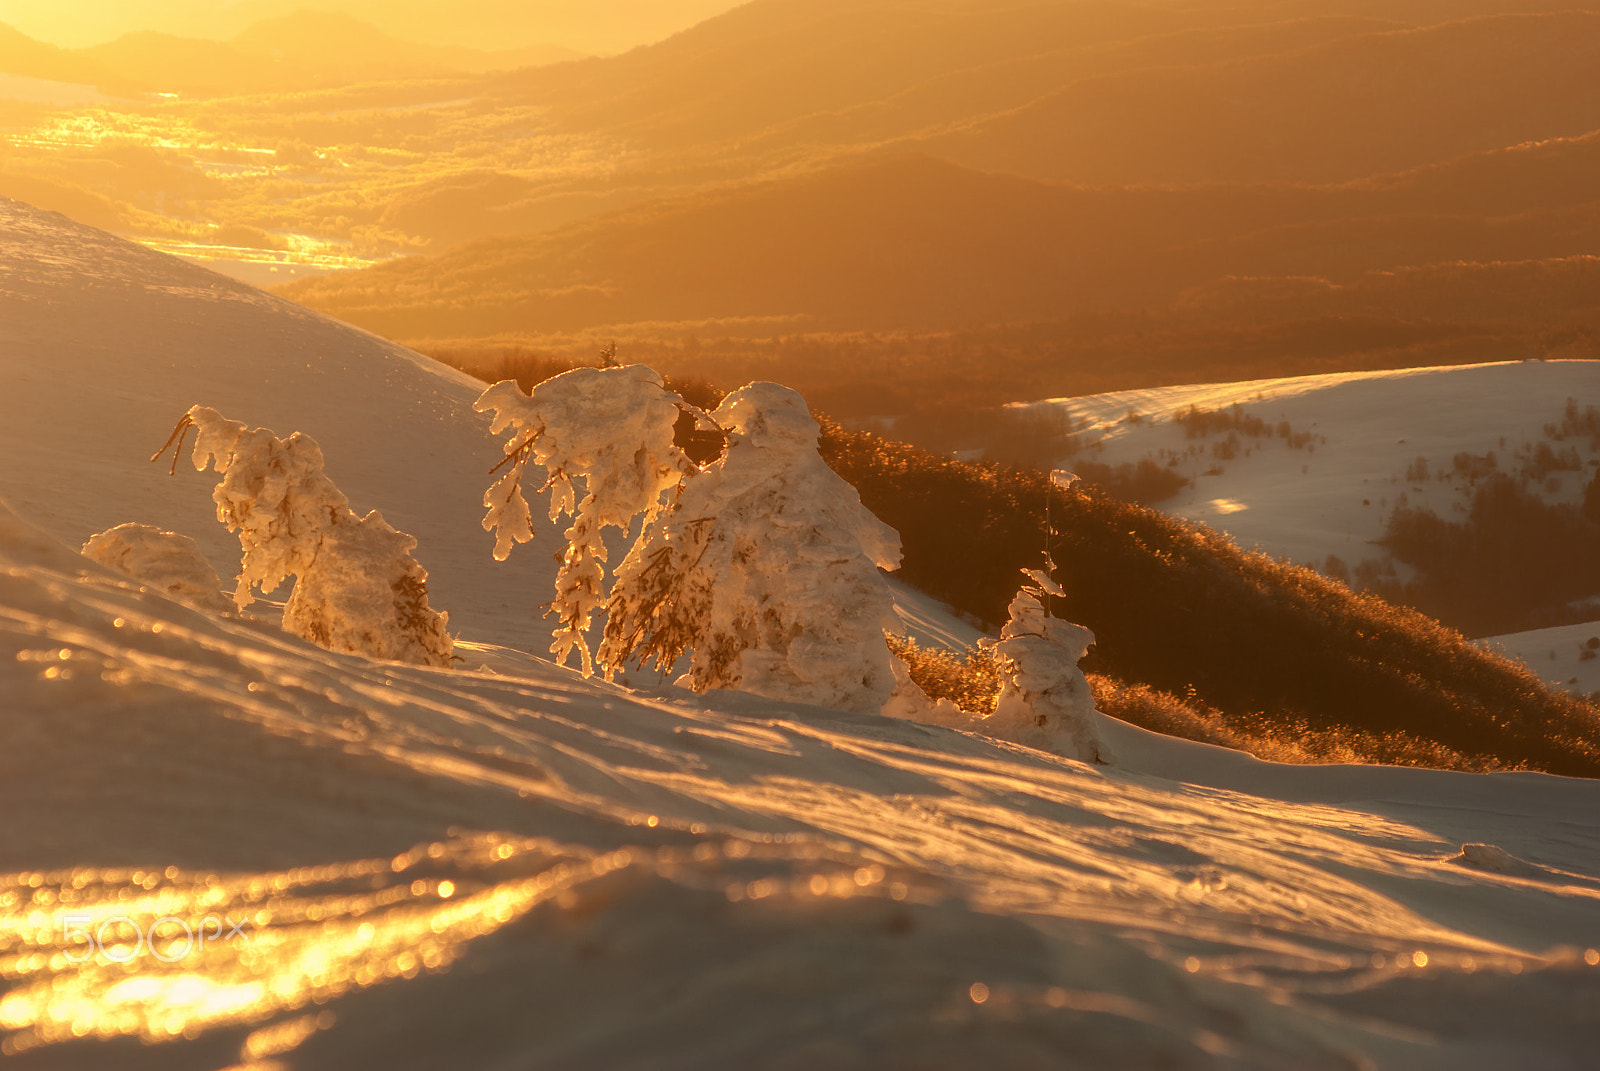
(595, 26)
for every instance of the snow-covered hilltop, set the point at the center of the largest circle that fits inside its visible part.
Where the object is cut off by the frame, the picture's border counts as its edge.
(1352, 450)
(347, 863)
(1313, 468)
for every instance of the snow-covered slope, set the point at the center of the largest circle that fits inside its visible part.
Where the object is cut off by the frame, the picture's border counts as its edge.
(1364, 431)
(433, 868)
(1567, 656)
(397, 867)
(104, 344)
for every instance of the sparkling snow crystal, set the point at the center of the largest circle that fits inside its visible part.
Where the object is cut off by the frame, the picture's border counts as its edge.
(166, 561)
(357, 588)
(611, 426)
(764, 568)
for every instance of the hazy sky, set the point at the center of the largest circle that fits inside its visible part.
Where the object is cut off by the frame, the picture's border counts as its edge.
(596, 26)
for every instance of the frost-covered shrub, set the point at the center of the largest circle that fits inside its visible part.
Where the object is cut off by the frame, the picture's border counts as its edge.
(169, 562)
(614, 428)
(970, 679)
(357, 587)
(1026, 687)
(1045, 700)
(764, 569)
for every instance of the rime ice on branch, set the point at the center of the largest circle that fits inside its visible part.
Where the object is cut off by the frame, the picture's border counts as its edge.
(764, 568)
(357, 588)
(169, 562)
(614, 428)
(1045, 701)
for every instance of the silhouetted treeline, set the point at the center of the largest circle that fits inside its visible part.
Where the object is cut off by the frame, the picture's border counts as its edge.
(1515, 563)
(971, 681)
(1182, 609)
(934, 384)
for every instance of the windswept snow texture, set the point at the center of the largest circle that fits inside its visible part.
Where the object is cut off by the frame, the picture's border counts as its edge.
(470, 869)
(1334, 495)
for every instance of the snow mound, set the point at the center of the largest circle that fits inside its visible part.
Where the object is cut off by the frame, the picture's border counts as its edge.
(169, 562)
(103, 343)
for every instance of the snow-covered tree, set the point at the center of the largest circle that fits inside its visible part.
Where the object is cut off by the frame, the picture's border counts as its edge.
(357, 587)
(1045, 701)
(166, 561)
(611, 427)
(764, 569)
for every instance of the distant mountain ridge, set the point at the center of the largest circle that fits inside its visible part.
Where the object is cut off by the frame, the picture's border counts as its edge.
(1333, 111)
(297, 51)
(911, 241)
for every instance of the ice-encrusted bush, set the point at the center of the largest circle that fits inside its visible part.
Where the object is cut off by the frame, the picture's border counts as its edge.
(1025, 687)
(167, 561)
(357, 587)
(763, 569)
(1045, 700)
(612, 427)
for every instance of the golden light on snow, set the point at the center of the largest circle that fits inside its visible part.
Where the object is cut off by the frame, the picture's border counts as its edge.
(163, 954)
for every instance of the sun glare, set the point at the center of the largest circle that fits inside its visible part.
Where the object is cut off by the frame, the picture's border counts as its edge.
(210, 950)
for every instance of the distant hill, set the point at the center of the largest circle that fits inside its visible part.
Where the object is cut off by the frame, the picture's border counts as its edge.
(1329, 112)
(588, 26)
(1081, 189)
(299, 51)
(21, 54)
(1101, 92)
(880, 243)
(331, 42)
(909, 241)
